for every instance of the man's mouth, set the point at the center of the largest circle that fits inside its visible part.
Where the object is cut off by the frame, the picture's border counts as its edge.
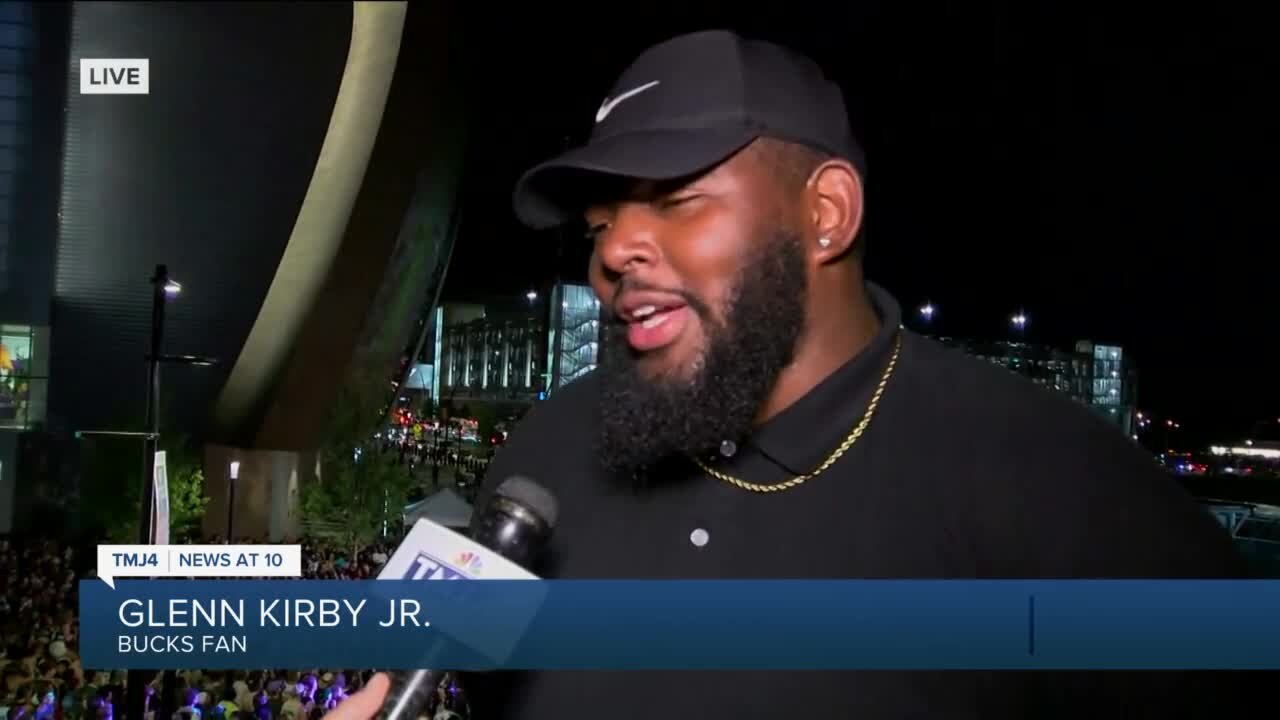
(651, 316)
(653, 322)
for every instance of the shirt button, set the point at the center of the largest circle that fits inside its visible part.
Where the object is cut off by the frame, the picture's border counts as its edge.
(728, 448)
(699, 537)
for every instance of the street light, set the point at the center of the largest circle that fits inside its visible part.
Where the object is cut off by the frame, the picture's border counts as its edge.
(1019, 321)
(163, 288)
(160, 294)
(927, 310)
(233, 475)
(135, 700)
(531, 295)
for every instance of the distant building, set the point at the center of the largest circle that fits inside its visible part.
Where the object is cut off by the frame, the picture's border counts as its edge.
(1257, 451)
(489, 352)
(574, 342)
(33, 82)
(1099, 376)
(508, 351)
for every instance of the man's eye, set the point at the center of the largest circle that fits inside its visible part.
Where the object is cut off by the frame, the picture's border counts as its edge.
(595, 231)
(672, 201)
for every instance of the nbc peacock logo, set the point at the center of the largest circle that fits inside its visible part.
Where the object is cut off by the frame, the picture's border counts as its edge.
(468, 561)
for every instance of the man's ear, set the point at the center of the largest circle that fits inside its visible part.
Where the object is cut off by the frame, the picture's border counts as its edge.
(835, 200)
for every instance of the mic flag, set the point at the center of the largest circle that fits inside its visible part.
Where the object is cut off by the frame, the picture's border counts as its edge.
(434, 552)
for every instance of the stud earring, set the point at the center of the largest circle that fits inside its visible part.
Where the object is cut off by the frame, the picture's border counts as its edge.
(824, 242)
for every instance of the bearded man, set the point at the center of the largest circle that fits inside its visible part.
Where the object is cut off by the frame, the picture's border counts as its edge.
(760, 412)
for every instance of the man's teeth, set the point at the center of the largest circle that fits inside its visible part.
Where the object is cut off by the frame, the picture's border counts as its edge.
(643, 312)
(654, 321)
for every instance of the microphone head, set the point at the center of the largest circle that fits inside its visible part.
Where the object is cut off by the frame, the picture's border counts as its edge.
(533, 496)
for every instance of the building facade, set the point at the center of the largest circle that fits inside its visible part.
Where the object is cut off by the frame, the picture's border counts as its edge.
(574, 343)
(509, 352)
(1095, 375)
(499, 355)
(32, 93)
(521, 351)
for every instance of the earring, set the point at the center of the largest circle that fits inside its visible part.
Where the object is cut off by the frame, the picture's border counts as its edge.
(824, 241)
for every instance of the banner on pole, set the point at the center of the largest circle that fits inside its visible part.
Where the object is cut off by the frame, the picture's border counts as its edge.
(160, 505)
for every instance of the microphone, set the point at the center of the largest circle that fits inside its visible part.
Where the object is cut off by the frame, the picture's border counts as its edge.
(508, 533)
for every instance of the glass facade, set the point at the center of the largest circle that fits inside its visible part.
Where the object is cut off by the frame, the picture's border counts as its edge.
(1107, 383)
(24, 349)
(574, 343)
(17, 45)
(497, 356)
(1094, 375)
(514, 351)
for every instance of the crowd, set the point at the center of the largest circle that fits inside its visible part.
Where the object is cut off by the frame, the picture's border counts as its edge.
(44, 680)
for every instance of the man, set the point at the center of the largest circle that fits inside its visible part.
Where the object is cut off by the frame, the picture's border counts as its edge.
(759, 412)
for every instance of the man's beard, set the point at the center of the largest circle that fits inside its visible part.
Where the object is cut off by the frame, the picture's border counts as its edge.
(691, 411)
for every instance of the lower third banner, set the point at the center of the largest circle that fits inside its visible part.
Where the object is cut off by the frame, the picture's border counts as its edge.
(564, 624)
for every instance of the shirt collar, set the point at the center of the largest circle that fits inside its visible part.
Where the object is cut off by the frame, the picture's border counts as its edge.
(802, 436)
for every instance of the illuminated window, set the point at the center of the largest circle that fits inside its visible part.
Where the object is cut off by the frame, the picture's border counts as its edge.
(24, 375)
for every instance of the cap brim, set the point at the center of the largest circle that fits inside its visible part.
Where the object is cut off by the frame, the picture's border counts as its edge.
(554, 192)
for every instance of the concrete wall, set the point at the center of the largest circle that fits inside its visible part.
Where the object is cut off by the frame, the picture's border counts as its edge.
(266, 490)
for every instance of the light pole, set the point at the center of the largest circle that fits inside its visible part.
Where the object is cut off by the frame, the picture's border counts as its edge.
(1169, 426)
(232, 475)
(163, 288)
(927, 311)
(1019, 321)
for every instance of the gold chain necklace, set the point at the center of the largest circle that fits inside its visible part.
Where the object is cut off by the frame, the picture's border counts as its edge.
(848, 442)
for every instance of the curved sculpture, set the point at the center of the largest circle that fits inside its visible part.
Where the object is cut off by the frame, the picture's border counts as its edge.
(321, 226)
(357, 267)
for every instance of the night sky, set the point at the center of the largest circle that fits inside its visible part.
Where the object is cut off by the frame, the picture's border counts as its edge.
(1112, 175)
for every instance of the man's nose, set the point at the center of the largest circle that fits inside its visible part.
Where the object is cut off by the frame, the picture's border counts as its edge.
(631, 239)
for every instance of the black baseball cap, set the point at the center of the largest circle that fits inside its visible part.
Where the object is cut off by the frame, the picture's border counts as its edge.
(683, 107)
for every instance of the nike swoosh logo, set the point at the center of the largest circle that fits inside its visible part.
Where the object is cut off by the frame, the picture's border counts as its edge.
(610, 103)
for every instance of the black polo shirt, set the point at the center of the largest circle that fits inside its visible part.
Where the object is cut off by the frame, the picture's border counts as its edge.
(965, 471)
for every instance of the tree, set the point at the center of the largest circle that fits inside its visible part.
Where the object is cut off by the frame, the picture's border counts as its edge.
(187, 499)
(362, 487)
(111, 487)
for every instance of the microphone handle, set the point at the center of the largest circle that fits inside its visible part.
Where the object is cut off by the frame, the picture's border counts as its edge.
(410, 694)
